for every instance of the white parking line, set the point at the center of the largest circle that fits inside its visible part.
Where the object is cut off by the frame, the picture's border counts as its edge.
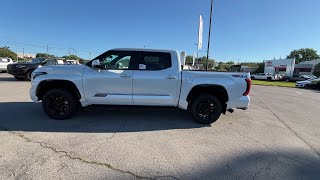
(299, 92)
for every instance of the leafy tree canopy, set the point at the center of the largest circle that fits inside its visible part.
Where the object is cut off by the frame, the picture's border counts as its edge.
(316, 71)
(304, 54)
(6, 52)
(72, 57)
(38, 55)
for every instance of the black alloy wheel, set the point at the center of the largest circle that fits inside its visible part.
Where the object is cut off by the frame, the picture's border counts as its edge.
(206, 109)
(59, 104)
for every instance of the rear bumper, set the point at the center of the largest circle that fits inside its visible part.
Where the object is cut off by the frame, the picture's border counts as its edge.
(241, 103)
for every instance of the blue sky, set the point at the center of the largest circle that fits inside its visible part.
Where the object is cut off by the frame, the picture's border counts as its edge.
(249, 30)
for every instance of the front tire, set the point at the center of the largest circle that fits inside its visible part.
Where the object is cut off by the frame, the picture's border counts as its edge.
(59, 104)
(28, 75)
(206, 109)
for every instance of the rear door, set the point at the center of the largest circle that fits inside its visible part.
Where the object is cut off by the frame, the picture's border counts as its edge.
(156, 80)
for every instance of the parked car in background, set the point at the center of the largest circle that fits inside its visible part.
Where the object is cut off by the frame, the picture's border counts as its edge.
(4, 62)
(23, 71)
(303, 84)
(265, 76)
(297, 77)
(309, 84)
(73, 61)
(312, 77)
(315, 84)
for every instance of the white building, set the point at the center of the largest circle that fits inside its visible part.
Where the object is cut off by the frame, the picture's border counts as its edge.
(28, 56)
(306, 67)
(288, 67)
(280, 66)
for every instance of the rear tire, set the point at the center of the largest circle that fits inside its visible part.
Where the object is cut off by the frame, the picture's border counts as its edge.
(19, 78)
(206, 109)
(59, 104)
(269, 79)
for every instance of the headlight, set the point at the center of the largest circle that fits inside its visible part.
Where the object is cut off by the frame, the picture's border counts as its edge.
(20, 66)
(36, 74)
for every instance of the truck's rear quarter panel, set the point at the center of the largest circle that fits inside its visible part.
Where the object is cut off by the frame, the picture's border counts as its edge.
(234, 83)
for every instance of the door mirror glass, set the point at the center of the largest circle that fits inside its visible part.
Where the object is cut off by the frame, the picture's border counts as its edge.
(96, 64)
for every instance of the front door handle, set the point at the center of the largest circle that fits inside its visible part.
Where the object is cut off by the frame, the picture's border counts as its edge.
(170, 77)
(125, 76)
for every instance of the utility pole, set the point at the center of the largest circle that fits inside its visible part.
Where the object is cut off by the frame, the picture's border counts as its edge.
(47, 49)
(209, 35)
(23, 53)
(90, 55)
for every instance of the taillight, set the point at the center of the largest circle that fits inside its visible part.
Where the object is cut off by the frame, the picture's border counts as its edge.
(248, 80)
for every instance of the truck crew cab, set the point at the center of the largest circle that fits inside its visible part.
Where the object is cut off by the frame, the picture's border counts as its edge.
(138, 77)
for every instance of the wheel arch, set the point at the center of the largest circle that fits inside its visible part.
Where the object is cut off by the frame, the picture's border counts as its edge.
(46, 85)
(217, 90)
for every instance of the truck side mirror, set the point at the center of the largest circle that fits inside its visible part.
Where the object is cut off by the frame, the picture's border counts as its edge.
(96, 64)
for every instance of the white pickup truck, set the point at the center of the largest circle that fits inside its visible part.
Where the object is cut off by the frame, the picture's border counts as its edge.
(139, 77)
(265, 76)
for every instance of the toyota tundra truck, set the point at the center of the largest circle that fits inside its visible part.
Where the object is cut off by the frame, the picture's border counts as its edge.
(139, 77)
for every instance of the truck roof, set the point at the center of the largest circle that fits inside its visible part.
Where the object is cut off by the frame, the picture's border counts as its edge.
(143, 49)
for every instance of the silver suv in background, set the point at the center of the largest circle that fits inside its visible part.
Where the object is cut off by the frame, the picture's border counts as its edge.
(4, 62)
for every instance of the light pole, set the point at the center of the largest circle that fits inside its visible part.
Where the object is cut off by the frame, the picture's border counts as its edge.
(209, 35)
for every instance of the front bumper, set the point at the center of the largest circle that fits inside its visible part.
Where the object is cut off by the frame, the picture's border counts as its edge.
(33, 92)
(16, 72)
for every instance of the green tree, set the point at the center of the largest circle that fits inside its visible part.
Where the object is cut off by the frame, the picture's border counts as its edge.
(230, 62)
(6, 52)
(316, 71)
(304, 54)
(260, 68)
(72, 57)
(250, 64)
(38, 55)
(189, 60)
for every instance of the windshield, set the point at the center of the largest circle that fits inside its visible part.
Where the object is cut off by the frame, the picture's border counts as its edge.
(37, 60)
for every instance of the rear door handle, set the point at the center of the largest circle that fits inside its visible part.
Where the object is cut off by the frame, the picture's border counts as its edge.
(125, 76)
(170, 77)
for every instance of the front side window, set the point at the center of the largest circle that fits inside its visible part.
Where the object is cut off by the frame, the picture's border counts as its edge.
(116, 60)
(154, 61)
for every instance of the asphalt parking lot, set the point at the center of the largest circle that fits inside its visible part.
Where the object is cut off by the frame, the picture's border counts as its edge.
(276, 138)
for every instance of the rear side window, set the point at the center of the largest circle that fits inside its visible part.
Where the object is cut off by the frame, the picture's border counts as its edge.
(154, 61)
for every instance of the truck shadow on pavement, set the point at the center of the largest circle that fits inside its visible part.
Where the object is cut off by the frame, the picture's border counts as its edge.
(281, 164)
(28, 116)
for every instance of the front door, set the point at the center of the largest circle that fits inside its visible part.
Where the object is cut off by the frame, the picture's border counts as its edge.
(156, 80)
(112, 83)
